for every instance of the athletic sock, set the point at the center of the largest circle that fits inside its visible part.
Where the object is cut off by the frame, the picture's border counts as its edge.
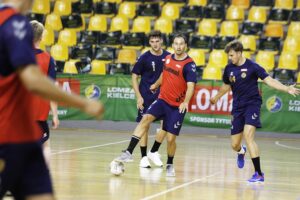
(256, 164)
(155, 147)
(133, 142)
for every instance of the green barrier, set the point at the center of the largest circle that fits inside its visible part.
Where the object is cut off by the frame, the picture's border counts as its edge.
(280, 112)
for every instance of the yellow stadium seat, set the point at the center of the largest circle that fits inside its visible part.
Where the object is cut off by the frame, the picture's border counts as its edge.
(247, 54)
(288, 60)
(53, 22)
(207, 27)
(59, 52)
(41, 6)
(63, 7)
(298, 6)
(235, 13)
(70, 67)
(170, 11)
(163, 24)
(212, 73)
(99, 67)
(249, 42)
(119, 23)
(127, 9)
(294, 29)
(274, 30)
(198, 56)
(110, 1)
(98, 23)
(257, 14)
(197, 2)
(265, 59)
(229, 28)
(141, 24)
(48, 37)
(217, 58)
(42, 46)
(284, 4)
(127, 56)
(292, 44)
(170, 49)
(298, 77)
(67, 37)
(145, 49)
(244, 4)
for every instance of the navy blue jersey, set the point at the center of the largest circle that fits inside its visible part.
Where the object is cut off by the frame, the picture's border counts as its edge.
(149, 67)
(16, 49)
(243, 82)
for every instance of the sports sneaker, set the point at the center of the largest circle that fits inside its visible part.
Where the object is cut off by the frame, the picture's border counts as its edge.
(256, 178)
(241, 158)
(144, 163)
(170, 170)
(155, 158)
(125, 157)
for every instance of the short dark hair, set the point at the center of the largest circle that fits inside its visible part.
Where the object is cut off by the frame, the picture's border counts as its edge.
(155, 33)
(235, 45)
(180, 35)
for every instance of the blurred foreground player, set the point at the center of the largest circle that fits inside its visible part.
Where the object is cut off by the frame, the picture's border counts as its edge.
(23, 170)
(241, 76)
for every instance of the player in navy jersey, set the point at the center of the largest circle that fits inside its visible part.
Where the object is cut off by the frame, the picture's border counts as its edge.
(47, 66)
(177, 88)
(241, 76)
(23, 170)
(148, 67)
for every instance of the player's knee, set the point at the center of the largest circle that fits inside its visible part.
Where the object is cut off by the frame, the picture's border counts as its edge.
(236, 146)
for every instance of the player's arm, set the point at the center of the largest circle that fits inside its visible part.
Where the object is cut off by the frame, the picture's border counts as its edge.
(135, 86)
(34, 80)
(279, 86)
(223, 90)
(189, 93)
(157, 84)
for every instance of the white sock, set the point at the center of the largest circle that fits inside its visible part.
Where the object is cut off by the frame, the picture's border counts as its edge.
(242, 151)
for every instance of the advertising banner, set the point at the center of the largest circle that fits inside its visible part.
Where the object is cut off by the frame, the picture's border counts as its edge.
(280, 112)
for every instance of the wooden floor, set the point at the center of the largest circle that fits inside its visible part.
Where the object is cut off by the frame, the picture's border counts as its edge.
(205, 169)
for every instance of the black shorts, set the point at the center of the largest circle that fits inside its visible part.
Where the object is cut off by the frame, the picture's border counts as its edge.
(23, 170)
(45, 128)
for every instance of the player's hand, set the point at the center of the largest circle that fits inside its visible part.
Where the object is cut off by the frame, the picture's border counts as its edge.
(140, 103)
(153, 88)
(94, 108)
(293, 91)
(183, 107)
(55, 122)
(213, 100)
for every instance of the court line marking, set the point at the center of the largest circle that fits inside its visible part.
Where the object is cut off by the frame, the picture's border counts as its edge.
(286, 146)
(91, 147)
(179, 186)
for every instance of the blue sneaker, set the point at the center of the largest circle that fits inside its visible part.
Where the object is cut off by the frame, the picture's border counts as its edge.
(241, 158)
(256, 178)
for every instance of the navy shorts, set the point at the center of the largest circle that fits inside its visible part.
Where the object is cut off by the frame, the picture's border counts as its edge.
(45, 130)
(141, 113)
(247, 115)
(23, 170)
(172, 119)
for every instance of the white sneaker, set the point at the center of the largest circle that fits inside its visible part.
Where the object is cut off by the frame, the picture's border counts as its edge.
(170, 170)
(145, 162)
(155, 158)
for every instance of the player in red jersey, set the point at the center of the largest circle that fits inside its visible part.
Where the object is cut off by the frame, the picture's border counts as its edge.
(47, 66)
(177, 88)
(23, 170)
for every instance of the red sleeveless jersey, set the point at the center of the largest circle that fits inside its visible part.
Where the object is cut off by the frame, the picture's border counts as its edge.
(42, 106)
(174, 86)
(17, 123)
